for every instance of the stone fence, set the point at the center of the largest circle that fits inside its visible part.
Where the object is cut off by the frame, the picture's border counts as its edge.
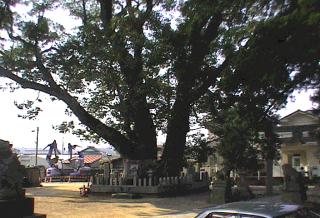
(149, 185)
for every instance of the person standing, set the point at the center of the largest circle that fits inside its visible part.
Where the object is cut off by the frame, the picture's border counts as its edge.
(52, 148)
(81, 159)
(55, 148)
(70, 148)
(303, 188)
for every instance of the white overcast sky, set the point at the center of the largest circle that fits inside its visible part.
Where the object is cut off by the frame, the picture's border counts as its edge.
(20, 132)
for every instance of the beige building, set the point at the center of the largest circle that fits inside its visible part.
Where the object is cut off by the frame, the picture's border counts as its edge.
(299, 146)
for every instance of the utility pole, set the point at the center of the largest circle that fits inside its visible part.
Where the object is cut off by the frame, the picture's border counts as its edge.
(62, 145)
(37, 143)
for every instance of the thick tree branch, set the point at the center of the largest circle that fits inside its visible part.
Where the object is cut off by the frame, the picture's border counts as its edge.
(106, 13)
(200, 43)
(149, 7)
(38, 55)
(25, 83)
(200, 40)
(46, 74)
(114, 137)
(84, 11)
(211, 31)
(210, 79)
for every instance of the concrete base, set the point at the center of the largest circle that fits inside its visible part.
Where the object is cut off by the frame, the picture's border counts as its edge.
(242, 193)
(22, 208)
(159, 189)
(291, 197)
(124, 189)
(33, 177)
(36, 215)
(217, 193)
(313, 195)
(125, 196)
(17, 207)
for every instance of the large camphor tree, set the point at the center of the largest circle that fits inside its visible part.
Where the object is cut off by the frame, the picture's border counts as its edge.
(133, 68)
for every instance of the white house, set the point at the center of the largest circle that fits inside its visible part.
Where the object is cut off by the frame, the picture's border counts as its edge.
(299, 146)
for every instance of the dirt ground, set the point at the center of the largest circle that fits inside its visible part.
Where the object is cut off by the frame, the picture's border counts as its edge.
(64, 200)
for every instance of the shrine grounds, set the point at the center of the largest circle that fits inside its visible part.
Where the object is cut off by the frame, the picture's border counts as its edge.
(64, 200)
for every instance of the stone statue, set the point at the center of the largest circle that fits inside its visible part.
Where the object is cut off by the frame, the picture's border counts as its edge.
(11, 173)
(294, 189)
(13, 202)
(243, 191)
(290, 178)
(218, 189)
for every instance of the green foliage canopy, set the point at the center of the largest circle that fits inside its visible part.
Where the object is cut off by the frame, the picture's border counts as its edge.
(130, 69)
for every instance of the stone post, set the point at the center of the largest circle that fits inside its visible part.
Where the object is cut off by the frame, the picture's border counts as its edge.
(110, 181)
(218, 192)
(135, 181)
(150, 175)
(106, 171)
(160, 181)
(243, 187)
(294, 188)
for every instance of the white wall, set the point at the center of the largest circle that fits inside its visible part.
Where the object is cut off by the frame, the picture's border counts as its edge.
(30, 160)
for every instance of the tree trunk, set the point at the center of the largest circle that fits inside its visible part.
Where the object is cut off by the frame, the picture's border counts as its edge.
(270, 154)
(144, 127)
(178, 128)
(269, 172)
(228, 192)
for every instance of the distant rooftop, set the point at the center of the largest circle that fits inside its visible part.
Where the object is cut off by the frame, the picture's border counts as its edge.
(32, 151)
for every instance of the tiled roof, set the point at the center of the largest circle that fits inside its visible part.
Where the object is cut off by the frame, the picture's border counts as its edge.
(308, 113)
(90, 149)
(88, 159)
(66, 161)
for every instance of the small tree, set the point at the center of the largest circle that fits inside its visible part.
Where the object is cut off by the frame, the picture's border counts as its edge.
(199, 148)
(238, 143)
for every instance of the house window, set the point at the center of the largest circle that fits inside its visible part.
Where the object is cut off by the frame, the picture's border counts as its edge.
(284, 134)
(296, 160)
(261, 135)
(305, 134)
